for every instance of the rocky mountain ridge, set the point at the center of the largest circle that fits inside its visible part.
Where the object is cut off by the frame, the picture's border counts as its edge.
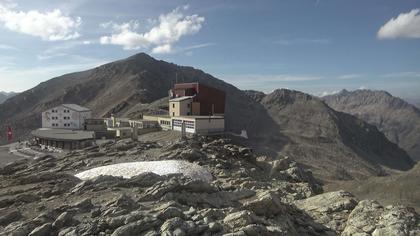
(318, 135)
(5, 95)
(397, 119)
(282, 123)
(249, 195)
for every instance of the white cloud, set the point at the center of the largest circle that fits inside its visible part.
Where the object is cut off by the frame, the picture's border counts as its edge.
(162, 49)
(49, 26)
(405, 25)
(167, 48)
(326, 93)
(288, 42)
(350, 76)
(170, 28)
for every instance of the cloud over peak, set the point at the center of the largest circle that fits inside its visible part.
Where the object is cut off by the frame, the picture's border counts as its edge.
(170, 28)
(49, 26)
(405, 25)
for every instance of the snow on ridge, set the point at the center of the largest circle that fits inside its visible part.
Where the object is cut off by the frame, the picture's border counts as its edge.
(130, 169)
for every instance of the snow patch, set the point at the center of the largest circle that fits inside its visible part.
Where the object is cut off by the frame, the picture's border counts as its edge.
(130, 169)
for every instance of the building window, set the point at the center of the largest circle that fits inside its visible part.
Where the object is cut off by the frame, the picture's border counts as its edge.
(173, 113)
(188, 113)
(173, 105)
(188, 105)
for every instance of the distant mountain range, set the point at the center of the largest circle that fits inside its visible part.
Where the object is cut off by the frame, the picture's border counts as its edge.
(415, 102)
(334, 144)
(5, 95)
(397, 119)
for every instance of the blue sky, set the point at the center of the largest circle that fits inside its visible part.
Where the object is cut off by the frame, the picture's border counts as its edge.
(317, 47)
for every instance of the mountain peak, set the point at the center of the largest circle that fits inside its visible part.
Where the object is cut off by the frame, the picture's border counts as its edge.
(395, 117)
(141, 55)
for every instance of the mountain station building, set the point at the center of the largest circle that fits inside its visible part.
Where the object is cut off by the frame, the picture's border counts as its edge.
(194, 108)
(66, 116)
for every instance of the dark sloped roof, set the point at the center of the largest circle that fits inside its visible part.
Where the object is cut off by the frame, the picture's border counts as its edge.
(76, 107)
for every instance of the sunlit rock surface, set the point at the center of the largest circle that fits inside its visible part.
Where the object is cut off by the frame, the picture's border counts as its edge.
(130, 169)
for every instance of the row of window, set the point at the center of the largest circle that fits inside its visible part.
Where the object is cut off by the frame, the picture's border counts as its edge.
(165, 122)
(188, 105)
(188, 124)
(56, 125)
(56, 111)
(56, 117)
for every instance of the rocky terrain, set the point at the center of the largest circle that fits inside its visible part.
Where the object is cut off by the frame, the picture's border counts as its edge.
(397, 119)
(399, 188)
(249, 195)
(288, 123)
(336, 146)
(5, 95)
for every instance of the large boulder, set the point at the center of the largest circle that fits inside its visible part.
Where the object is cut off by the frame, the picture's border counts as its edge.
(43, 230)
(331, 209)
(370, 218)
(123, 201)
(241, 219)
(9, 216)
(137, 227)
(266, 203)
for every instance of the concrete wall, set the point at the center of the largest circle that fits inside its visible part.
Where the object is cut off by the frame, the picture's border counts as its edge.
(209, 125)
(61, 117)
(143, 124)
(165, 123)
(188, 122)
(152, 118)
(180, 108)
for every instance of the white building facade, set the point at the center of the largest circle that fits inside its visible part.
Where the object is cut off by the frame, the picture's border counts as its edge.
(66, 116)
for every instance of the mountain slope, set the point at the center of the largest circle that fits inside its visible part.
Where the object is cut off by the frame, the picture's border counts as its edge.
(5, 95)
(334, 144)
(119, 87)
(284, 122)
(397, 119)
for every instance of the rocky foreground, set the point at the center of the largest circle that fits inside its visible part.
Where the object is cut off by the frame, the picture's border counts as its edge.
(248, 195)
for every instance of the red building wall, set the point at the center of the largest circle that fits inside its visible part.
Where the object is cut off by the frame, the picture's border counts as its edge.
(212, 101)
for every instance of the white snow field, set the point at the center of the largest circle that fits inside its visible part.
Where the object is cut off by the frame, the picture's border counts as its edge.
(130, 169)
